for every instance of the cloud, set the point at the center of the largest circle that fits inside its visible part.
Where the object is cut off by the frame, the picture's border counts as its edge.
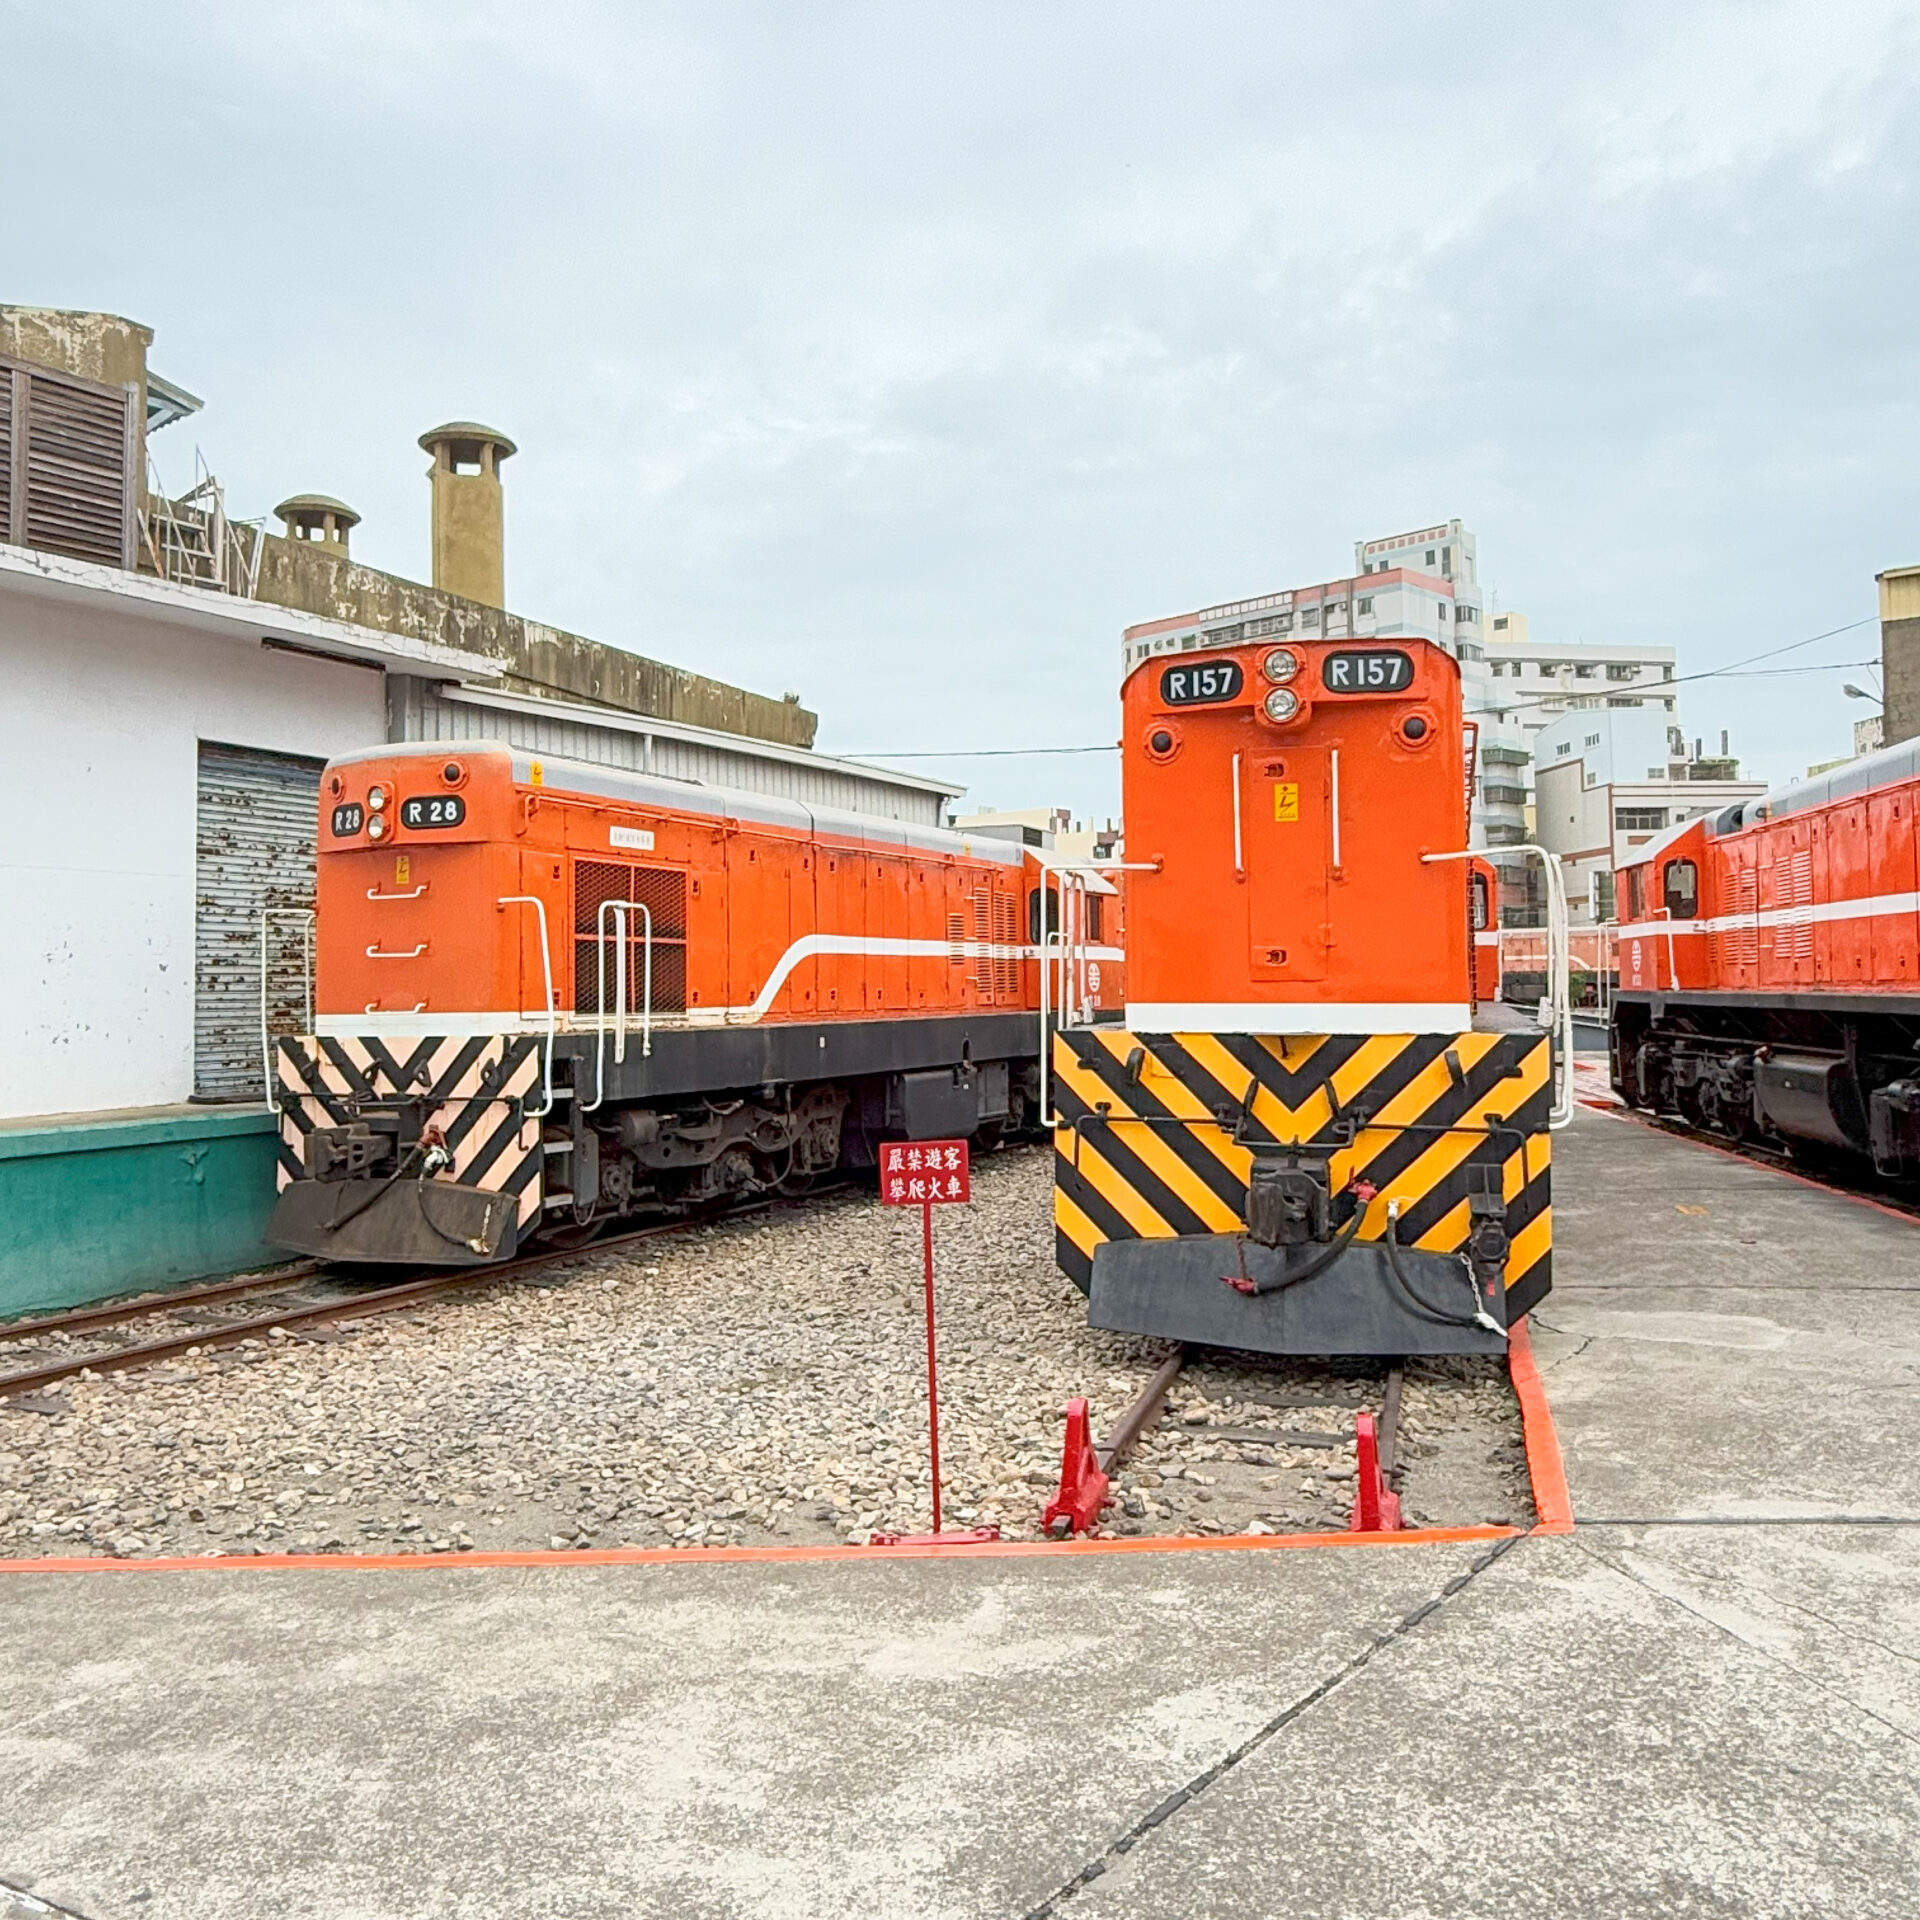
(903, 354)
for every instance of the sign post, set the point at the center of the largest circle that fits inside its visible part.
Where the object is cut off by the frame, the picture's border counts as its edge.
(928, 1174)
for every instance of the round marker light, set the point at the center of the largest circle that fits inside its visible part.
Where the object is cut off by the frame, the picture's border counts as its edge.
(1280, 665)
(453, 773)
(1413, 727)
(1161, 742)
(1281, 704)
(377, 799)
(377, 826)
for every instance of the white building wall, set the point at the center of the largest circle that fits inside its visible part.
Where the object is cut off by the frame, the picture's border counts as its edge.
(104, 715)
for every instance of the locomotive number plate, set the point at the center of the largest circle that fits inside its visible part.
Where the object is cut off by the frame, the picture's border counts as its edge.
(348, 819)
(1200, 685)
(433, 810)
(1376, 670)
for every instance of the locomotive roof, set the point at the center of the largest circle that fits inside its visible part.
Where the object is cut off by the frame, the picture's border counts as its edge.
(692, 796)
(1890, 767)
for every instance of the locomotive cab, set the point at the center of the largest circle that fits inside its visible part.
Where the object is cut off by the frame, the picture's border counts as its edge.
(1299, 1143)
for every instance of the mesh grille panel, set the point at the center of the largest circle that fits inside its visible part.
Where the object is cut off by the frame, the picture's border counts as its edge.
(663, 892)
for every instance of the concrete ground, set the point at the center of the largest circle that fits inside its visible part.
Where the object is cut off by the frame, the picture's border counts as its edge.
(1645, 1718)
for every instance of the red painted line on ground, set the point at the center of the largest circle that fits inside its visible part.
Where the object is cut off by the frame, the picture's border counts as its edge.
(695, 1556)
(1545, 1469)
(1783, 1173)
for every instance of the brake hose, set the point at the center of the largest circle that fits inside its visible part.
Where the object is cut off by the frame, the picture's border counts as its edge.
(1423, 1307)
(1242, 1282)
(339, 1220)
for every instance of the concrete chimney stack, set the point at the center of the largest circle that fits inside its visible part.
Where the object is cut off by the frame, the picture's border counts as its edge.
(318, 519)
(469, 529)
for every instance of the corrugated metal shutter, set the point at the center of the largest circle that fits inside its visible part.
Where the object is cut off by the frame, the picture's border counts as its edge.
(6, 456)
(69, 482)
(254, 853)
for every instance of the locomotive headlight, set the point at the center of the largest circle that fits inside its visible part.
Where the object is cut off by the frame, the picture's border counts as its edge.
(1280, 665)
(377, 826)
(1281, 704)
(377, 799)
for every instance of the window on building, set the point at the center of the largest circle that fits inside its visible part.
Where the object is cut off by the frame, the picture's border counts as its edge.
(1593, 779)
(1622, 670)
(1617, 701)
(1364, 604)
(1479, 894)
(1499, 623)
(1468, 614)
(1311, 617)
(1603, 895)
(1681, 889)
(1565, 746)
(1582, 672)
(1666, 672)
(1593, 739)
(1547, 669)
(1432, 557)
(1498, 668)
(1639, 819)
(1443, 612)
(1668, 703)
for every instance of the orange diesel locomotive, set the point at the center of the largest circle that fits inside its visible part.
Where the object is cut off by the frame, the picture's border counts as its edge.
(1298, 1143)
(549, 994)
(1769, 962)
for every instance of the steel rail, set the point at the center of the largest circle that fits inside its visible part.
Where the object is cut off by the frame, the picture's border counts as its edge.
(115, 1311)
(1390, 1422)
(352, 1307)
(1142, 1413)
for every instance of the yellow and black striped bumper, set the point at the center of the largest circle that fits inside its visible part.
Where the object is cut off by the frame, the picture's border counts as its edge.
(1157, 1135)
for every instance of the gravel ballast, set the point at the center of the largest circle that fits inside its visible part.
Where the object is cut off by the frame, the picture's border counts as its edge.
(758, 1381)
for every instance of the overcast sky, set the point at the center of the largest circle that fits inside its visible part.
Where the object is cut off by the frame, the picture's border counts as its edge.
(900, 355)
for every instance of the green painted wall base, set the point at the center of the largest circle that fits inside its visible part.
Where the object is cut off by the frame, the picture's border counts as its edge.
(94, 1205)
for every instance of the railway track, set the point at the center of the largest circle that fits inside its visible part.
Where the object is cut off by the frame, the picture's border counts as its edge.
(1144, 1412)
(349, 1303)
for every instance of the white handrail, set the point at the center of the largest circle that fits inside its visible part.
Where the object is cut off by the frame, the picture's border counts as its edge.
(1239, 860)
(546, 968)
(374, 893)
(621, 908)
(412, 953)
(305, 916)
(1559, 966)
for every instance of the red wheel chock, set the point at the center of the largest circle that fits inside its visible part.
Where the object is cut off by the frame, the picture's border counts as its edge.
(1376, 1507)
(1083, 1487)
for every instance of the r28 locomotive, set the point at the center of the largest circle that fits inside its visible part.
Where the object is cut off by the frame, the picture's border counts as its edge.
(1769, 961)
(548, 995)
(1298, 1142)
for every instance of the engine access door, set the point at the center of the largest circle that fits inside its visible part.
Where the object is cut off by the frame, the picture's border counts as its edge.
(1284, 849)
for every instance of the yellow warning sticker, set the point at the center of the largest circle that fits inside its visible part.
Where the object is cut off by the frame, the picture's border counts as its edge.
(538, 773)
(1286, 800)
(402, 870)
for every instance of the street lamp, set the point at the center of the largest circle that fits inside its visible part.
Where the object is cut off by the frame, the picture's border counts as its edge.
(1859, 693)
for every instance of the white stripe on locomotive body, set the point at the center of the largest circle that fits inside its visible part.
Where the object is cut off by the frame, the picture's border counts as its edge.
(1298, 1016)
(1822, 913)
(407, 1022)
(1486, 939)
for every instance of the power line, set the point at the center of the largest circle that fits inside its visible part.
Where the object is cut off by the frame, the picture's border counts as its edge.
(1738, 670)
(981, 753)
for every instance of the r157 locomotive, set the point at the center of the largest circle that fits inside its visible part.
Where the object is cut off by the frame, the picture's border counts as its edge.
(1298, 1142)
(550, 994)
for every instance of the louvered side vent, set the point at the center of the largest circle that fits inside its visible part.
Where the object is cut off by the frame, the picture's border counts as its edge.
(1006, 934)
(66, 480)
